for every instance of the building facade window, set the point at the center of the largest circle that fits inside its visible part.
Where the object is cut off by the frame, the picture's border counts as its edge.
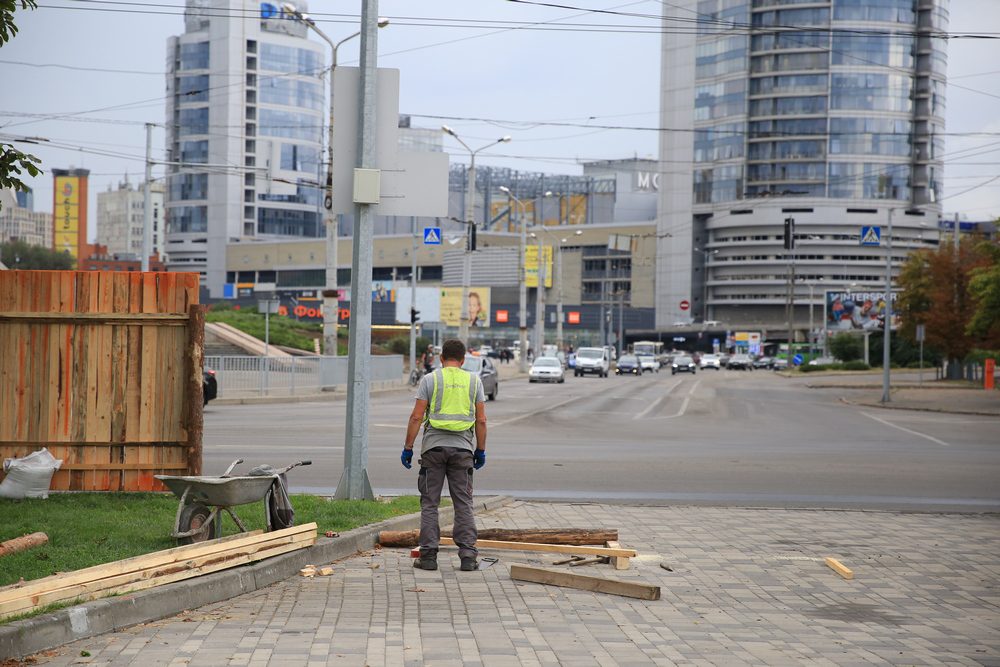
(290, 92)
(289, 60)
(295, 157)
(186, 219)
(193, 56)
(194, 151)
(289, 125)
(283, 222)
(193, 88)
(193, 121)
(188, 186)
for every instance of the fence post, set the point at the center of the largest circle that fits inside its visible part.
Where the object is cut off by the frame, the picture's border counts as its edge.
(195, 416)
(293, 376)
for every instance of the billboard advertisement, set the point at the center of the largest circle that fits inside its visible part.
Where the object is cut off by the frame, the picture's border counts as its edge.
(66, 216)
(858, 310)
(428, 303)
(383, 292)
(531, 265)
(479, 306)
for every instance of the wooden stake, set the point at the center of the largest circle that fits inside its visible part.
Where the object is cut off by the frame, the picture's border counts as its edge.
(839, 568)
(547, 548)
(583, 582)
(409, 538)
(617, 561)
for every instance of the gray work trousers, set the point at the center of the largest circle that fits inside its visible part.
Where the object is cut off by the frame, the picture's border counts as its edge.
(455, 465)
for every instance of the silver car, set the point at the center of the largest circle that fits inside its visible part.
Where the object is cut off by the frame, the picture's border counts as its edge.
(546, 369)
(487, 372)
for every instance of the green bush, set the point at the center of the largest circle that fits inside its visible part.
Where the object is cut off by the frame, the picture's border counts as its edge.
(854, 365)
(847, 347)
(916, 364)
(819, 367)
(284, 331)
(401, 345)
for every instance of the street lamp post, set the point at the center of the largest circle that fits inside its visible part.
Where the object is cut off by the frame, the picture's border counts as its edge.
(886, 388)
(558, 280)
(470, 212)
(522, 312)
(330, 292)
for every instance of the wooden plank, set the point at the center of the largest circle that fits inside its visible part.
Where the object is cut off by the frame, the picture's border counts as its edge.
(617, 562)
(548, 548)
(148, 467)
(158, 576)
(194, 422)
(839, 567)
(410, 538)
(584, 582)
(148, 561)
(125, 319)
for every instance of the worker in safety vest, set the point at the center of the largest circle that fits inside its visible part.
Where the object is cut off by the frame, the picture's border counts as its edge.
(451, 406)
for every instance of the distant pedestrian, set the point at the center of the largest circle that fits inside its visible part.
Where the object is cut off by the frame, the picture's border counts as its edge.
(451, 406)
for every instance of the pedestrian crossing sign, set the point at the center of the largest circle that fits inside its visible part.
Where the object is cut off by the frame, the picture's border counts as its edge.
(871, 236)
(432, 236)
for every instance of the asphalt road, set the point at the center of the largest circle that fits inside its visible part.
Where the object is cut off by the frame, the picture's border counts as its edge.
(718, 437)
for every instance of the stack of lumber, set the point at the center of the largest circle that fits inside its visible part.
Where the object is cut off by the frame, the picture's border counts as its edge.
(155, 569)
(575, 536)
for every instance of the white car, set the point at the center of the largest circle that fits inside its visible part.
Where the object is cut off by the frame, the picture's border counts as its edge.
(649, 363)
(546, 369)
(710, 361)
(596, 360)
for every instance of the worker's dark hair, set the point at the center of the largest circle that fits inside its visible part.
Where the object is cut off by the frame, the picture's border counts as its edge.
(453, 349)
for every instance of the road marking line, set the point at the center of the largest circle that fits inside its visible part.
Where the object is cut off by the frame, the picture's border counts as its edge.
(533, 413)
(902, 428)
(390, 425)
(649, 408)
(684, 405)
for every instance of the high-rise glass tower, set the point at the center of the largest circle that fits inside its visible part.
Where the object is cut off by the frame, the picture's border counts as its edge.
(245, 117)
(828, 112)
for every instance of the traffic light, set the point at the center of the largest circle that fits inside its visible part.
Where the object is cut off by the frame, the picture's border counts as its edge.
(789, 233)
(414, 315)
(472, 237)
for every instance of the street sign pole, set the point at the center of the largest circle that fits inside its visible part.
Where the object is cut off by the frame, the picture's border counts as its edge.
(886, 370)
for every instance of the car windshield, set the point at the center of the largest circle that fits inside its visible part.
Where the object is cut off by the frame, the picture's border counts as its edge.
(629, 359)
(547, 361)
(682, 360)
(645, 358)
(590, 354)
(472, 364)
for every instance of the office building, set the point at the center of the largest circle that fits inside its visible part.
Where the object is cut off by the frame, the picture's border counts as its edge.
(121, 215)
(19, 221)
(246, 113)
(828, 113)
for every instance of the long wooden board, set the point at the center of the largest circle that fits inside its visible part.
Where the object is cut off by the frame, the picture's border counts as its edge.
(584, 582)
(548, 548)
(578, 536)
(146, 561)
(134, 581)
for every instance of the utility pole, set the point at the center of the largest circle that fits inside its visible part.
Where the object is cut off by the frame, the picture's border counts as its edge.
(790, 247)
(413, 294)
(147, 202)
(354, 483)
(540, 301)
(886, 370)
(559, 299)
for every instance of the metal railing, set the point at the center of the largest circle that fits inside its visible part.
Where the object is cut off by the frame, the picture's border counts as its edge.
(239, 376)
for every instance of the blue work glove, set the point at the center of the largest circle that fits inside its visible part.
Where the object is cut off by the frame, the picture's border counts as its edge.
(479, 458)
(407, 458)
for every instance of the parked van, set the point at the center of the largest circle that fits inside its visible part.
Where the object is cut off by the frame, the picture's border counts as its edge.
(592, 360)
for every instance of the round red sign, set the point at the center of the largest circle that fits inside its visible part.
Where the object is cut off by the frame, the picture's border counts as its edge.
(685, 304)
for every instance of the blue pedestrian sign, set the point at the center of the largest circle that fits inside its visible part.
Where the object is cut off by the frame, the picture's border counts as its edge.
(432, 236)
(871, 236)
(797, 360)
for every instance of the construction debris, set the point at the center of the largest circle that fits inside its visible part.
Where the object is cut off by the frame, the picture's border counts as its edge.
(575, 536)
(583, 582)
(839, 568)
(325, 571)
(22, 543)
(155, 569)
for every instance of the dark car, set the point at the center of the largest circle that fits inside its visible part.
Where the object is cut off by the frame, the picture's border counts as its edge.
(682, 364)
(628, 365)
(487, 372)
(763, 362)
(740, 362)
(209, 386)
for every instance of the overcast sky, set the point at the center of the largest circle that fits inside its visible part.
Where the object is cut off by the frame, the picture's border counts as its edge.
(457, 58)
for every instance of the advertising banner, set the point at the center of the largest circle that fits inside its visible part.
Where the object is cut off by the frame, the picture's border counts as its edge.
(479, 306)
(531, 265)
(428, 303)
(858, 310)
(383, 292)
(66, 217)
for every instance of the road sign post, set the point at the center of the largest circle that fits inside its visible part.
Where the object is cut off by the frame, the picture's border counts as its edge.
(432, 236)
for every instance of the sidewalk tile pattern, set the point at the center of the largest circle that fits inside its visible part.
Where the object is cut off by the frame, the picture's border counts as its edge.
(745, 587)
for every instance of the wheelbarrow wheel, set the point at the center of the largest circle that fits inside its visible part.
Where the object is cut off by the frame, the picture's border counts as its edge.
(194, 517)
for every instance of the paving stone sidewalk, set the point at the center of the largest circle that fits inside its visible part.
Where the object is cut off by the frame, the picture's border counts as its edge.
(745, 587)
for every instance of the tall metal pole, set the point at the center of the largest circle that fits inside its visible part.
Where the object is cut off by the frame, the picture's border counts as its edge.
(354, 483)
(791, 292)
(413, 294)
(540, 301)
(559, 299)
(331, 305)
(522, 311)
(147, 202)
(621, 322)
(810, 337)
(470, 213)
(888, 314)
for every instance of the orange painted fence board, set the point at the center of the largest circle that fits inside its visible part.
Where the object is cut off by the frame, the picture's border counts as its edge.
(100, 367)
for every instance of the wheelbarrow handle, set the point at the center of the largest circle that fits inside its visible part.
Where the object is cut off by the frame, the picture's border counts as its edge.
(231, 466)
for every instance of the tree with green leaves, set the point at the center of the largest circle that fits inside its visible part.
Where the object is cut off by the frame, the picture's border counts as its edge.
(14, 163)
(846, 347)
(21, 255)
(935, 292)
(984, 286)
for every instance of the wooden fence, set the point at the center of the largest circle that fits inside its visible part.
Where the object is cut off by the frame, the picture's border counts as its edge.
(104, 369)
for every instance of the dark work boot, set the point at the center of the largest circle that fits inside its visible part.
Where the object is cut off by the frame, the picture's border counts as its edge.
(426, 563)
(469, 564)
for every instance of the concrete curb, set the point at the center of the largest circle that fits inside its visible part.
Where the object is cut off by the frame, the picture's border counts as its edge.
(23, 638)
(306, 398)
(896, 406)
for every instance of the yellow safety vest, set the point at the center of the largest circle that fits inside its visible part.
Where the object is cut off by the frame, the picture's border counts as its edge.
(453, 401)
